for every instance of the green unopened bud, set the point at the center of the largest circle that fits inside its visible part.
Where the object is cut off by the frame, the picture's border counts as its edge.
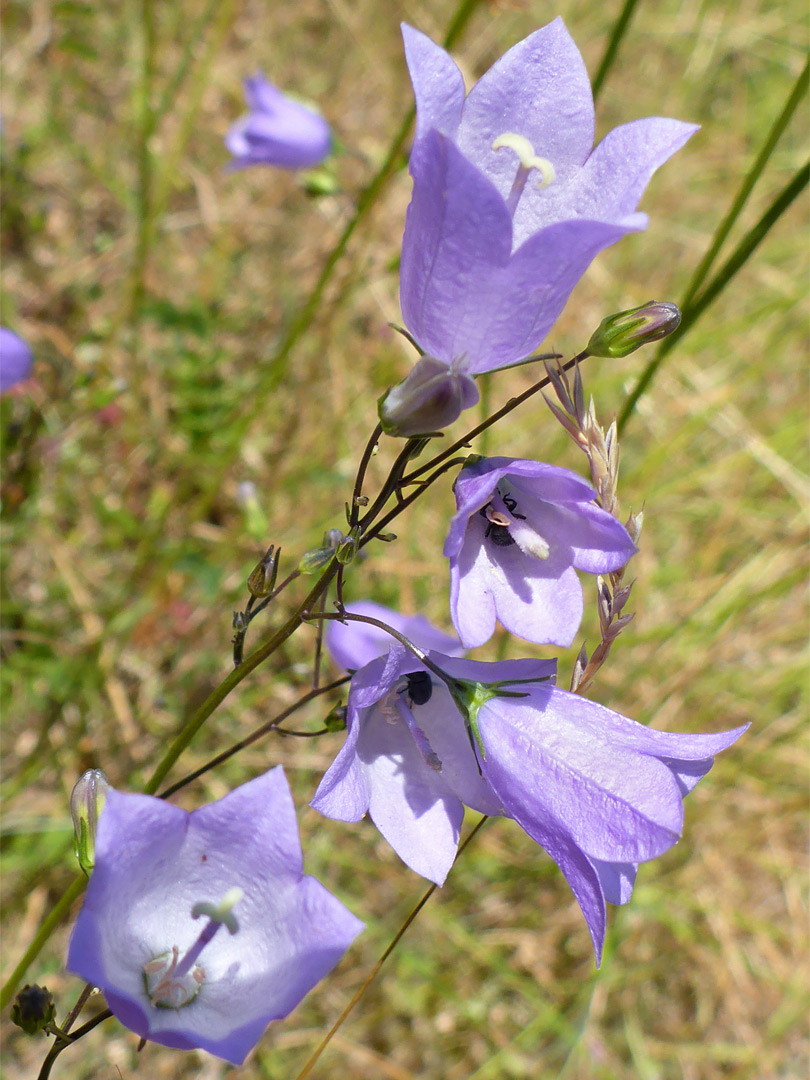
(336, 719)
(313, 561)
(620, 334)
(347, 548)
(86, 803)
(262, 578)
(33, 1009)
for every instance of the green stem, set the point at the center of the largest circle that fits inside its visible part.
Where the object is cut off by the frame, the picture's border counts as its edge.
(754, 173)
(618, 32)
(169, 96)
(217, 696)
(145, 129)
(277, 365)
(735, 261)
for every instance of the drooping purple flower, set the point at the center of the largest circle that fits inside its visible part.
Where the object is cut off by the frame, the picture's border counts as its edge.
(600, 793)
(277, 130)
(510, 200)
(521, 531)
(16, 359)
(408, 762)
(187, 983)
(355, 644)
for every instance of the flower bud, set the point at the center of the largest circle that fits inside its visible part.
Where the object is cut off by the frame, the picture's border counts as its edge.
(336, 719)
(262, 578)
(313, 561)
(431, 397)
(86, 803)
(33, 1009)
(347, 548)
(623, 333)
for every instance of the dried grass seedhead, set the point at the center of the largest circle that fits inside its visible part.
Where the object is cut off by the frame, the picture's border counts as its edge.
(601, 447)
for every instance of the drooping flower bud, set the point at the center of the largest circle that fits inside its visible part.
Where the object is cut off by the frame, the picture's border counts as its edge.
(432, 396)
(33, 1009)
(620, 334)
(86, 803)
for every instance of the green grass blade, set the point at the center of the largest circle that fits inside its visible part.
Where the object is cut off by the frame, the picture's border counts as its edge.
(735, 261)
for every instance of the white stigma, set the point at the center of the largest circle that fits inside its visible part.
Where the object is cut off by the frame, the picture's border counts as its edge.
(527, 158)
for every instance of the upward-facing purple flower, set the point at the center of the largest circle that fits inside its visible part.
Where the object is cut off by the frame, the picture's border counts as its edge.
(277, 130)
(271, 932)
(510, 200)
(521, 531)
(15, 359)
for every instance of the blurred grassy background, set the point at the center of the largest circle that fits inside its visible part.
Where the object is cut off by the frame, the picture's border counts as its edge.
(153, 286)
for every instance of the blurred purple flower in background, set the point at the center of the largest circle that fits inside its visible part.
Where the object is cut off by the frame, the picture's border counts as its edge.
(16, 359)
(521, 531)
(237, 861)
(510, 200)
(355, 644)
(277, 131)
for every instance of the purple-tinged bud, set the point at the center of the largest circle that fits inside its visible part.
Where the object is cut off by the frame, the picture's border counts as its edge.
(432, 396)
(33, 1009)
(86, 803)
(620, 334)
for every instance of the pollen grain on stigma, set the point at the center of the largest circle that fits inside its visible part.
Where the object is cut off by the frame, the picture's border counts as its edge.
(528, 160)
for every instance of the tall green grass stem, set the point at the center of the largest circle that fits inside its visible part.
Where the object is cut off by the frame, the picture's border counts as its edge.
(49, 924)
(689, 315)
(277, 365)
(754, 173)
(612, 47)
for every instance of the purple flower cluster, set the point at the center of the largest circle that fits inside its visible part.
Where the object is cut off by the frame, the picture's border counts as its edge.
(201, 928)
(600, 793)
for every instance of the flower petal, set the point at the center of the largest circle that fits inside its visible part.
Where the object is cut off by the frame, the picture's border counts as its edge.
(538, 89)
(539, 600)
(438, 85)
(456, 230)
(410, 804)
(616, 805)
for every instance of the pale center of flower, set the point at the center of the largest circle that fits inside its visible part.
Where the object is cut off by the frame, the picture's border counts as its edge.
(527, 160)
(507, 526)
(171, 982)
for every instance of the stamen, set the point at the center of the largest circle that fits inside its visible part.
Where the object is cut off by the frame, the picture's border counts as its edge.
(528, 161)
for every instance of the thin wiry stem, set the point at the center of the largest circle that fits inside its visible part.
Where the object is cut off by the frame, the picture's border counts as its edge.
(312, 1060)
(265, 729)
